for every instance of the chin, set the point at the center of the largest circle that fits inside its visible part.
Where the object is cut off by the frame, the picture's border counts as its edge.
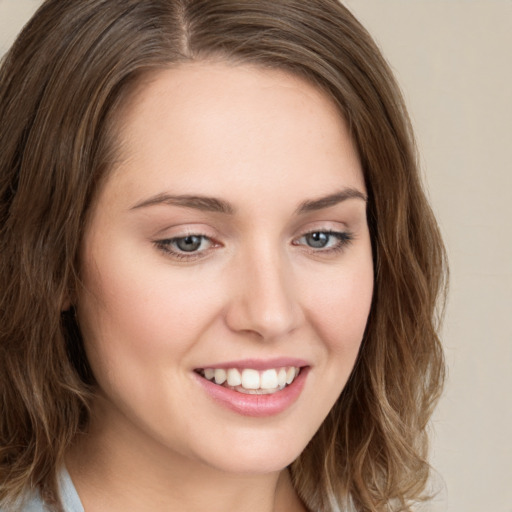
(259, 456)
(255, 464)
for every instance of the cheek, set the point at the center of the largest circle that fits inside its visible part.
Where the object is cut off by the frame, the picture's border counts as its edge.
(134, 314)
(339, 307)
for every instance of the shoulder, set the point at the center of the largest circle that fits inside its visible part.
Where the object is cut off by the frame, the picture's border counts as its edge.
(32, 502)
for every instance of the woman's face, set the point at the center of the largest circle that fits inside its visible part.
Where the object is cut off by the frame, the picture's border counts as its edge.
(230, 242)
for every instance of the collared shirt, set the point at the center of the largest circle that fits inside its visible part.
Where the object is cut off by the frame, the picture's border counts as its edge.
(67, 492)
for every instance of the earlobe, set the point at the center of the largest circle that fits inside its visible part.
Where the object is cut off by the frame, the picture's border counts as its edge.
(68, 300)
(68, 294)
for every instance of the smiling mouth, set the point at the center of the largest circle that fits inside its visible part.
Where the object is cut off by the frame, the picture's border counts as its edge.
(250, 381)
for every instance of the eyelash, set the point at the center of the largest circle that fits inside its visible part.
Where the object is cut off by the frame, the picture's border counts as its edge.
(344, 239)
(166, 246)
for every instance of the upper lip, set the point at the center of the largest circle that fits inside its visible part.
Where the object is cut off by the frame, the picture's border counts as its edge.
(258, 364)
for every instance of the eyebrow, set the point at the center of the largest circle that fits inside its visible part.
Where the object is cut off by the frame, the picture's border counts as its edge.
(330, 200)
(203, 203)
(213, 204)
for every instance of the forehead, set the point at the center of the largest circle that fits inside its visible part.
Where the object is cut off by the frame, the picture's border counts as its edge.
(206, 124)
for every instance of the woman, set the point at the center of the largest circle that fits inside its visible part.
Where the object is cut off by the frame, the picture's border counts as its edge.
(219, 269)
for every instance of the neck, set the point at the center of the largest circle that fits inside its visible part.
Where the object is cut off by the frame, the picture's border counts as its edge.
(122, 470)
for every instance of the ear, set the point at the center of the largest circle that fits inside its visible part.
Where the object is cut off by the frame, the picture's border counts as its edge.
(67, 300)
(65, 306)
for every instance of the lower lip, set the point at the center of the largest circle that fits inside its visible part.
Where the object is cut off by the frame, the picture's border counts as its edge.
(256, 405)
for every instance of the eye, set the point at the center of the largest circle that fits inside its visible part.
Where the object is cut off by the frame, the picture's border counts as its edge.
(190, 243)
(184, 247)
(318, 240)
(325, 240)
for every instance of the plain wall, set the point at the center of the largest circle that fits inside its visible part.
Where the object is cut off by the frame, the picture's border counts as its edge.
(453, 60)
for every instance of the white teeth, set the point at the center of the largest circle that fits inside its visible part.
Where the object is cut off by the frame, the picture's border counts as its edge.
(220, 376)
(260, 391)
(251, 379)
(234, 377)
(268, 379)
(281, 377)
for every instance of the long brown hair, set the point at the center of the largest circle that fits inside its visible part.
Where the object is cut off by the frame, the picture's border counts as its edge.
(61, 87)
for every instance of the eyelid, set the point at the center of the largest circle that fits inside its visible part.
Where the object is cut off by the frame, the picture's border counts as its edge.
(344, 239)
(184, 229)
(165, 245)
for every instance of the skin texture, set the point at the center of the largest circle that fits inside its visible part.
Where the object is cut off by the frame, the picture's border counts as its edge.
(264, 142)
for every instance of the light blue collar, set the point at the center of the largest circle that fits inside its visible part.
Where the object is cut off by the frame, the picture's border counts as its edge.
(70, 499)
(67, 492)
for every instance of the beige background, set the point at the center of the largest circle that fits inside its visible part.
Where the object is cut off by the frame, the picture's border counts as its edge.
(453, 59)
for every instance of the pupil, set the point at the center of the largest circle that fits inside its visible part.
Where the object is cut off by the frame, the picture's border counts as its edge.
(189, 243)
(317, 240)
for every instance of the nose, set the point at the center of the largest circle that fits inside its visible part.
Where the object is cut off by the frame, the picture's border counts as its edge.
(264, 301)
